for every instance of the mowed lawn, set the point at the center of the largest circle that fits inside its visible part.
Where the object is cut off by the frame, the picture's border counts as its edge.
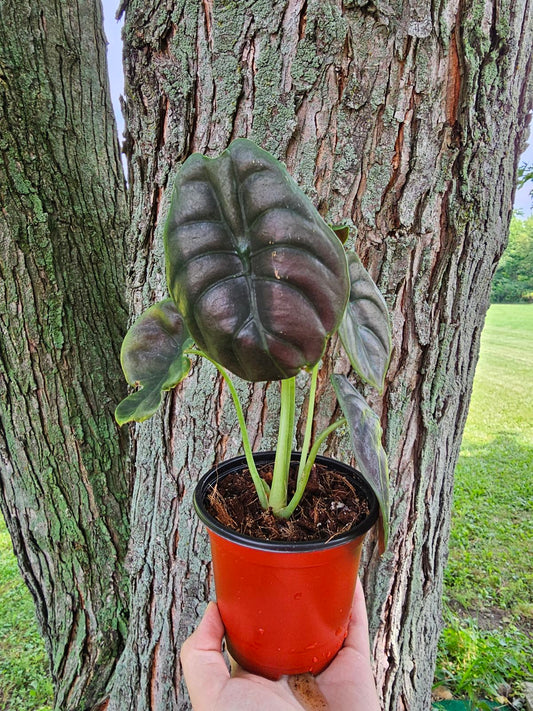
(486, 649)
(491, 556)
(24, 682)
(502, 399)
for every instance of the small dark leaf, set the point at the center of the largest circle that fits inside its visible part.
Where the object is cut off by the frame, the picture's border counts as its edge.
(260, 278)
(365, 330)
(365, 435)
(152, 356)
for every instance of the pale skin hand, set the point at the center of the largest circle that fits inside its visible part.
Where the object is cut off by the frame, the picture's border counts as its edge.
(346, 685)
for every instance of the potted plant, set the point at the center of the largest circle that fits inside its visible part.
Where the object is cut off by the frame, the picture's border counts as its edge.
(258, 285)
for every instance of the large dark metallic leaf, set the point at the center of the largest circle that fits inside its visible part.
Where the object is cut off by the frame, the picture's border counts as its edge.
(260, 278)
(365, 435)
(365, 330)
(152, 356)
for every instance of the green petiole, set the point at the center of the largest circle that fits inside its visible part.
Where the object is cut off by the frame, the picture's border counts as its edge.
(303, 476)
(275, 497)
(260, 485)
(309, 422)
(280, 477)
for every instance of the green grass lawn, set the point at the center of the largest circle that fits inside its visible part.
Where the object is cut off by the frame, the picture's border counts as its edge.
(489, 578)
(24, 683)
(491, 556)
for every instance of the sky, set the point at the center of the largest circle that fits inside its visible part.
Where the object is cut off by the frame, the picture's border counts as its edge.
(523, 200)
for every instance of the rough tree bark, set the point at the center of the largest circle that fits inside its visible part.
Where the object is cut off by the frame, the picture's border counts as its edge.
(64, 477)
(405, 118)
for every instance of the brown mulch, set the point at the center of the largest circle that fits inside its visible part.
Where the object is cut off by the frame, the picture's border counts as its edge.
(330, 506)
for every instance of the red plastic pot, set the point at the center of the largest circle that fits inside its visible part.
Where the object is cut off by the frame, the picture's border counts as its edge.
(285, 606)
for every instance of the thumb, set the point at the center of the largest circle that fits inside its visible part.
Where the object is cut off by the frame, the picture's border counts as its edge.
(203, 664)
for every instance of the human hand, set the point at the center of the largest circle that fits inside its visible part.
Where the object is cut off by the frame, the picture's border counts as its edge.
(347, 684)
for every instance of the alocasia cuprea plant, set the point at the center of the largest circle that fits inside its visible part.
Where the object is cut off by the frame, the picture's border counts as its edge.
(258, 284)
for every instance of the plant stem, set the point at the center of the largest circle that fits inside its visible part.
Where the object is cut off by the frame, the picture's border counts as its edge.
(260, 485)
(304, 478)
(280, 477)
(309, 421)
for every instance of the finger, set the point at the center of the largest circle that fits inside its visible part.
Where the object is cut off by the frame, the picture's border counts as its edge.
(348, 682)
(203, 664)
(357, 637)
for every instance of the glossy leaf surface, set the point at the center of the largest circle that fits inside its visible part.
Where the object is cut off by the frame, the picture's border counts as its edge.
(152, 356)
(365, 436)
(260, 278)
(365, 330)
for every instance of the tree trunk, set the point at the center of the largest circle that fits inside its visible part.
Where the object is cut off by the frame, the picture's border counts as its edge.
(402, 118)
(405, 121)
(64, 480)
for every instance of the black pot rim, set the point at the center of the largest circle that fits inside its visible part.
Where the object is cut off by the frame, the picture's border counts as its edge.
(230, 465)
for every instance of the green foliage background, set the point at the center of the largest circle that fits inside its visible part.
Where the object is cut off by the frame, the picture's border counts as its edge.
(513, 281)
